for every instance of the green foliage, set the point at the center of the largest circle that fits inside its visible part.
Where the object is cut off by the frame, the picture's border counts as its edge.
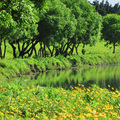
(57, 24)
(64, 60)
(88, 22)
(75, 60)
(111, 29)
(22, 17)
(104, 7)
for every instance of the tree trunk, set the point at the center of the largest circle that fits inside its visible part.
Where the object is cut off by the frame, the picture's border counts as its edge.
(68, 46)
(72, 49)
(14, 50)
(4, 48)
(40, 50)
(31, 52)
(35, 51)
(113, 47)
(44, 51)
(76, 48)
(83, 49)
(51, 52)
(1, 49)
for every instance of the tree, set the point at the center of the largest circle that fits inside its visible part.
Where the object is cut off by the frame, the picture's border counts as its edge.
(111, 29)
(88, 22)
(25, 16)
(56, 26)
(6, 26)
(59, 26)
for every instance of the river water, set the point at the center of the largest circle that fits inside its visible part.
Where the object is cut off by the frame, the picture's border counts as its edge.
(100, 75)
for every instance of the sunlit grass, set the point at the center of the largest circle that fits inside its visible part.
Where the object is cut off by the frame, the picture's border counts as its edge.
(79, 103)
(99, 48)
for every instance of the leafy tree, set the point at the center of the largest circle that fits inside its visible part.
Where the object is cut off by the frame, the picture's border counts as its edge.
(56, 26)
(24, 15)
(111, 29)
(6, 26)
(88, 22)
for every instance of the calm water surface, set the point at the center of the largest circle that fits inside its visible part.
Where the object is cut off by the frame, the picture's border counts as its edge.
(100, 75)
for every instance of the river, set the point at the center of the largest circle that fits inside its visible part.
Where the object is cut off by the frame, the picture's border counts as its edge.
(100, 75)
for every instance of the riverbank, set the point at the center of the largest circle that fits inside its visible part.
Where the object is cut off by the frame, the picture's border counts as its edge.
(16, 67)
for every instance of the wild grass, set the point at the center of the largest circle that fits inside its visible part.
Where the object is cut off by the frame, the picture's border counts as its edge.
(19, 101)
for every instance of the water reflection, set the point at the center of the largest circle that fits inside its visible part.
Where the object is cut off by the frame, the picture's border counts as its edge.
(101, 75)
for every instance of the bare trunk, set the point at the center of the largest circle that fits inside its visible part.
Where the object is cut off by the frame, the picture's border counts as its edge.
(113, 47)
(4, 49)
(1, 49)
(14, 50)
(83, 49)
(40, 50)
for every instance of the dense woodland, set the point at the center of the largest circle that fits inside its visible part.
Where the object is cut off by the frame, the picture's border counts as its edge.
(57, 26)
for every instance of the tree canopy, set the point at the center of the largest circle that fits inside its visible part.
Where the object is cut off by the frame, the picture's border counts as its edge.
(111, 29)
(104, 7)
(58, 26)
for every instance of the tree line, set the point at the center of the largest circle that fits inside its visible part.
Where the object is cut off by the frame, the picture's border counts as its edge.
(57, 26)
(104, 7)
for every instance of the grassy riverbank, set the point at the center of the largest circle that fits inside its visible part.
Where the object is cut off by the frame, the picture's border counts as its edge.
(16, 67)
(20, 102)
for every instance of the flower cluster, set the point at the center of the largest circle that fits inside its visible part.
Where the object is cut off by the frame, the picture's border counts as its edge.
(80, 103)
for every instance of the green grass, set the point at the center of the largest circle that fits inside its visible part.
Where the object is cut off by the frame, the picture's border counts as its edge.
(99, 48)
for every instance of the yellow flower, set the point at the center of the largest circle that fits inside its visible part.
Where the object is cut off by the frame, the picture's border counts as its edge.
(29, 109)
(118, 117)
(33, 118)
(55, 116)
(28, 87)
(113, 113)
(1, 114)
(11, 112)
(95, 118)
(112, 88)
(37, 117)
(108, 85)
(20, 100)
(111, 107)
(82, 85)
(46, 95)
(46, 117)
(89, 115)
